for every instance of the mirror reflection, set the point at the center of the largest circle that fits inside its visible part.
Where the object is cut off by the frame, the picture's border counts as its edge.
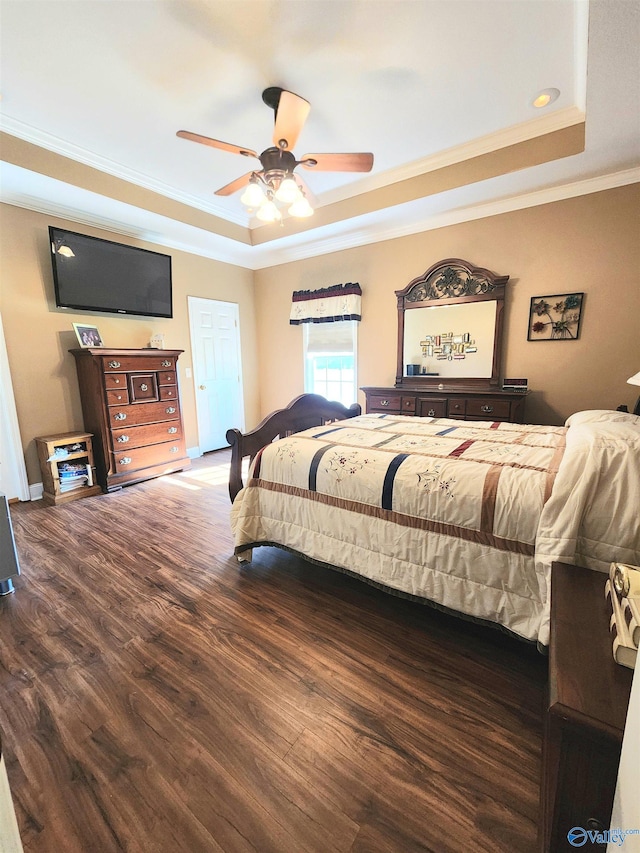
(450, 340)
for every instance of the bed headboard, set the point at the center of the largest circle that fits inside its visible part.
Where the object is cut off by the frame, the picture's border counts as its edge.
(305, 411)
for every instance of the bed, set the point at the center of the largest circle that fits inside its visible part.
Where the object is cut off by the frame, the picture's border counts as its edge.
(464, 515)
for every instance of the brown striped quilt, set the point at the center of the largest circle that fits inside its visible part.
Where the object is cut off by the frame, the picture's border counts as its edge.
(442, 509)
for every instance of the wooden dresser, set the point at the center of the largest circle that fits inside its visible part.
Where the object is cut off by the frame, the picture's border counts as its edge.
(131, 404)
(457, 403)
(585, 717)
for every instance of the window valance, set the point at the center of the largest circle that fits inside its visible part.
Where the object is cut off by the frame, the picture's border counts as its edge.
(326, 305)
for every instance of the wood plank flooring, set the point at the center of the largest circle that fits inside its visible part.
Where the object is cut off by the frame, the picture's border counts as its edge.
(157, 697)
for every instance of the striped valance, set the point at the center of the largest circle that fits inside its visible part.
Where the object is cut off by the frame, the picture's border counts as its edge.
(326, 305)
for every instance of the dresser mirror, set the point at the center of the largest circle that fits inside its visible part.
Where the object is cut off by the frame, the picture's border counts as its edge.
(450, 327)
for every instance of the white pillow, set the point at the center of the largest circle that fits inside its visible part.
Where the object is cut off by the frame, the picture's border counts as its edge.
(601, 416)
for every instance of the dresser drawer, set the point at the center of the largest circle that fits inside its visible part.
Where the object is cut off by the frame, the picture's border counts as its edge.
(168, 392)
(134, 458)
(115, 380)
(140, 436)
(138, 363)
(432, 407)
(385, 403)
(142, 413)
(167, 378)
(143, 387)
(456, 408)
(409, 405)
(118, 398)
(488, 408)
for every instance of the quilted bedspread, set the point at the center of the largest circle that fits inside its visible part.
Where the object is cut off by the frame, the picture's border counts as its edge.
(468, 515)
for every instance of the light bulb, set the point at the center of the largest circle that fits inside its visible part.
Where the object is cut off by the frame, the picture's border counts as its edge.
(546, 97)
(253, 196)
(268, 212)
(301, 208)
(288, 191)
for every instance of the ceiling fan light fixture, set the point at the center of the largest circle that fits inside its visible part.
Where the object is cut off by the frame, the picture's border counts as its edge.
(268, 212)
(301, 208)
(288, 191)
(254, 195)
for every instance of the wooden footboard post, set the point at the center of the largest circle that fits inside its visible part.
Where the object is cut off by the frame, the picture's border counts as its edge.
(234, 438)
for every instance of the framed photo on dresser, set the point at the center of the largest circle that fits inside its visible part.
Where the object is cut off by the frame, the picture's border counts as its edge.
(88, 336)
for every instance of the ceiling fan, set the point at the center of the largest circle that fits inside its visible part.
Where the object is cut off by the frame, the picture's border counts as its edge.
(275, 180)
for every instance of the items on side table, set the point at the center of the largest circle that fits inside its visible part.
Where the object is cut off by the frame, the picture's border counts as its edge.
(67, 467)
(622, 590)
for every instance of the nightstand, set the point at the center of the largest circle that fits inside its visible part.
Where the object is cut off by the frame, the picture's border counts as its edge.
(587, 706)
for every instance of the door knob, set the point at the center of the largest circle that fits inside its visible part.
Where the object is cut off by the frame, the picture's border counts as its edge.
(202, 387)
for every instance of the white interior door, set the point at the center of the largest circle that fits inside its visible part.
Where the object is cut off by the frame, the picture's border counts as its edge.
(217, 370)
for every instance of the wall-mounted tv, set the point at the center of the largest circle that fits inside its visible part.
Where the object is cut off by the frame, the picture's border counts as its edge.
(91, 274)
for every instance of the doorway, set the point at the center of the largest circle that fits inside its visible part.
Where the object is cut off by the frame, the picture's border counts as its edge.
(217, 370)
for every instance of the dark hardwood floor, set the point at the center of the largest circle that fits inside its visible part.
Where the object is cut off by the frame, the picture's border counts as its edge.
(157, 697)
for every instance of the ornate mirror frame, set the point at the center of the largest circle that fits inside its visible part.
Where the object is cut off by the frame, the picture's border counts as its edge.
(452, 282)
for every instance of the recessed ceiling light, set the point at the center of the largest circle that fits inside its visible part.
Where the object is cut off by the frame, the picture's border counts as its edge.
(546, 97)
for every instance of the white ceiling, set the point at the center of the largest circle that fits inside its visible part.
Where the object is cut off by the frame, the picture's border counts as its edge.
(417, 82)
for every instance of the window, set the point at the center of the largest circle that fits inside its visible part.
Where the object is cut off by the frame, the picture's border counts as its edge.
(330, 360)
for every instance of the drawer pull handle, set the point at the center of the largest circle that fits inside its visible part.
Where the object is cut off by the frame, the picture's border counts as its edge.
(166, 363)
(120, 417)
(144, 387)
(432, 413)
(114, 364)
(126, 460)
(116, 381)
(173, 450)
(170, 410)
(384, 402)
(172, 430)
(123, 439)
(487, 409)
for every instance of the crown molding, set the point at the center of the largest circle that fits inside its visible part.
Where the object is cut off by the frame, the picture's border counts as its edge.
(400, 221)
(213, 246)
(110, 167)
(503, 138)
(558, 120)
(364, 233)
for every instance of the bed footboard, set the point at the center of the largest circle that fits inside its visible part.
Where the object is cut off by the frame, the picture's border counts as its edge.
(306, 411)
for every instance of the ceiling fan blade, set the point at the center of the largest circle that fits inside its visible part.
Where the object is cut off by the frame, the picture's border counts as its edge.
(338, 162)
(216, 143)
(234, 186)
(291, 114)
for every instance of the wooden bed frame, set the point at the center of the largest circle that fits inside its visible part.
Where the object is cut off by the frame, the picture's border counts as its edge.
(306, 411)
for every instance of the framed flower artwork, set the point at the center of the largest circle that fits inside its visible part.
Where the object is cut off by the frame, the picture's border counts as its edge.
(555, 318)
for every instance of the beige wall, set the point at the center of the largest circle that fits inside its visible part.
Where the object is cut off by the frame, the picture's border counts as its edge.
(589, 244)
(39, 335)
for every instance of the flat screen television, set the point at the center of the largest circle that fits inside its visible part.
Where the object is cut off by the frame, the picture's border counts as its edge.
(91, 274)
